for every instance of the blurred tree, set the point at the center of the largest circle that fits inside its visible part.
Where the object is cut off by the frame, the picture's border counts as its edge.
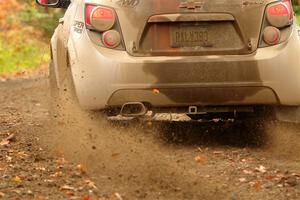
(296, 5)
(39, 17)
(25, 31)
(6, 10)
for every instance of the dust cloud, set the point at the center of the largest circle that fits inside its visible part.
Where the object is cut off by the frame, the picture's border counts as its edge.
(142, 159)
(129, 157)
(282, 139)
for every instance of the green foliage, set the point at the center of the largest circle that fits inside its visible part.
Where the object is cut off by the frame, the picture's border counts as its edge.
(25, 36)
(21, 54)
(41, 18)
(297, 10)
(296, 4)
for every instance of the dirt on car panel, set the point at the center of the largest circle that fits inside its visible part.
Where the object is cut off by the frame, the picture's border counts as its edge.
(134, 23)
(204, 75)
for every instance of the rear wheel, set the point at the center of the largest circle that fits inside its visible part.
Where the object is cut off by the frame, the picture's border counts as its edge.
(54, 90)
(63, 97)
(64, 104)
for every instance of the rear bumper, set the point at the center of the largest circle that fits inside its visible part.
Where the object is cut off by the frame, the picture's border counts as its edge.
(104, 77)
(187, 96)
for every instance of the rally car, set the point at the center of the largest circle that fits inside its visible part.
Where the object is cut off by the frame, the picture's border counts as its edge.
(203, 58)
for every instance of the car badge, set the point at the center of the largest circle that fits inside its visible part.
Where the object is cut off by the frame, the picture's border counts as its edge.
(191, 4)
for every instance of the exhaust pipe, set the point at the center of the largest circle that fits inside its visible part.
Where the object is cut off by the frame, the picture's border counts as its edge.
(133, 109)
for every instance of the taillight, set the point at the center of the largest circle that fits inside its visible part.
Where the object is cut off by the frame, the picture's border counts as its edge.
(88, 11)
(101, 18)
(104, 25)
(271, 35)
(277, 25)
(290, 7)
(278, 15)
(111, 39)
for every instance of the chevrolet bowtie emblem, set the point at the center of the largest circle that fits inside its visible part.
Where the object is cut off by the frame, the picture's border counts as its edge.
(191, 4)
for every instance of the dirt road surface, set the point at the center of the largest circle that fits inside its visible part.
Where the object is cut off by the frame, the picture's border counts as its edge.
(82, 156)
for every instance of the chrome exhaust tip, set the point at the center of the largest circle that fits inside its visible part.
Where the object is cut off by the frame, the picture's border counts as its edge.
(133, 109)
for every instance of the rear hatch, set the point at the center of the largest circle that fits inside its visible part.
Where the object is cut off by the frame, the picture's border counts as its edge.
(189, 27)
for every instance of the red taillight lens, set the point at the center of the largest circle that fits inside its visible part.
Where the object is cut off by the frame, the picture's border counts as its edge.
(88, 11)
(100, 18)
(101, 13)
(106, 32)
(111, 39)
(278, 10)
(278, 15)
(271, 35)
(277, 27)
(290, 7)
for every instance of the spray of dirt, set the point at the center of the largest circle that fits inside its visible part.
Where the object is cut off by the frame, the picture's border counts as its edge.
(283, 139)
(129, 159)
(138, 161)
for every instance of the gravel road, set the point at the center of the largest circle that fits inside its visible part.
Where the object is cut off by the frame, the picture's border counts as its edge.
(83, 156)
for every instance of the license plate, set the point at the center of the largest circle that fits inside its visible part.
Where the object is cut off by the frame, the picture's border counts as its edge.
(189, 36)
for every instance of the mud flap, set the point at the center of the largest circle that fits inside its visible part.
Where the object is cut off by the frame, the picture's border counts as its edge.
(288, 114)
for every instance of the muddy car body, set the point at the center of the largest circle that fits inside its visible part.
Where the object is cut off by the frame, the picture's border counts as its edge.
(190, 56)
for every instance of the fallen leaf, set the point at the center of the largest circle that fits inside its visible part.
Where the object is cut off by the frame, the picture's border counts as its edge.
(115, 155)
(11, 137)
(258, 185)
(248, 172)
(66, 187)
(156, 91)
(270, 177)
(218, 152)
(242, 180)
(40, 168)
(291, 181)
(70, 193)
(252, 183)
(74, 198)
(86, 198)
(29, 192)
(119, 197)
(17, 191)
(22, 154)
(81, 168)
(56, 174)
(2, 194)
(261, 169)
(17, 179)
(91, 184)
(280, 185)
(201, 159)
(39, 198)
(4, 142)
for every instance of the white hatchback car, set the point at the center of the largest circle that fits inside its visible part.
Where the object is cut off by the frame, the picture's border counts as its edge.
(204, 58)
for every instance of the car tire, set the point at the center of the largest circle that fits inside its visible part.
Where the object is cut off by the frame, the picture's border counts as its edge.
(63, 97)
(54, 90)
(64, 103)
